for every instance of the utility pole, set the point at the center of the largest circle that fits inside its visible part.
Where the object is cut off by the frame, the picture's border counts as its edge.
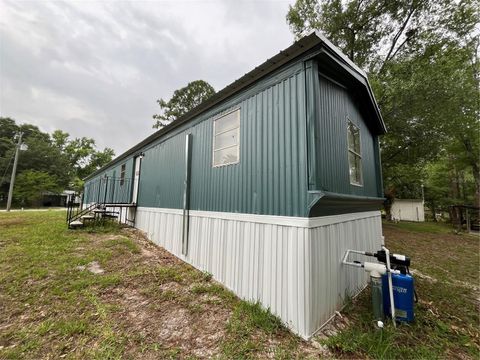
(14, 171)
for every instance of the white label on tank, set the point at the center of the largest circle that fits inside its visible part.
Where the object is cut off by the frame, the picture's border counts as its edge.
(399, 257)
(400, 290)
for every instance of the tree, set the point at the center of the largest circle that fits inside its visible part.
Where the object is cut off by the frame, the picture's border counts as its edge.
(81, 153)
(421, 56)
(182, 101)
(8, 129)
(374, 32)
(41, 155)
(31, 184)
(51, 162)
(97, 160)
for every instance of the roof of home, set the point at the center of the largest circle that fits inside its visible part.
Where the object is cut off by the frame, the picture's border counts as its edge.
(297, 49)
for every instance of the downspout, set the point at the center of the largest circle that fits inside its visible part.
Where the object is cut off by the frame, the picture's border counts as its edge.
(186, 194)
(135, 209)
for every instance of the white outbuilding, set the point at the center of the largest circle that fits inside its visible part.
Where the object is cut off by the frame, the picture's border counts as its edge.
(408, 210)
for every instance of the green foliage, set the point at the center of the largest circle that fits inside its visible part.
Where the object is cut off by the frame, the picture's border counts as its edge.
(357, 27)
(422, 60)
(182, 101)
(8, 128)
(56, 159)
(31, 184)
(81, 153)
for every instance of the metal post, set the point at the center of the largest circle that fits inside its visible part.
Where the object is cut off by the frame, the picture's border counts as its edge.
(186, 195)
(14, 171)
(112, 196)
(106, 188)
(99, 184)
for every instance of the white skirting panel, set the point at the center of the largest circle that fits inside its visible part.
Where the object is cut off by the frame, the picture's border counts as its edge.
(331, 281)
(295, 269)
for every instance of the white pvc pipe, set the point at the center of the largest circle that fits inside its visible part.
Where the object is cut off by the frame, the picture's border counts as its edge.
(346, 262)
(390, 286)
(375, 267)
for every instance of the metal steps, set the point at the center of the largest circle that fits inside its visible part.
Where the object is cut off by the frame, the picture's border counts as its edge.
(75, 224)
(78, 216)
(94, 216)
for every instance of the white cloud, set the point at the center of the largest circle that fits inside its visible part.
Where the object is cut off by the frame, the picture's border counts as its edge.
(96, 68)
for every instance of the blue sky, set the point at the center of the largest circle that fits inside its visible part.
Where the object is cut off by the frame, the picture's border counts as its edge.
(96, 68)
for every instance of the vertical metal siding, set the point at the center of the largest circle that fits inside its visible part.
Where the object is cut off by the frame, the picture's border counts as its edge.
(271, 175)
(295, 271)
(332, 282)
(258, 262)
(115, 193)
(162, 174)
(334, 105)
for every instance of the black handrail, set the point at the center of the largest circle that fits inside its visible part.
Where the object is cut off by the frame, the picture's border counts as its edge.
(109, 190)
(75, 212)
(102, 193)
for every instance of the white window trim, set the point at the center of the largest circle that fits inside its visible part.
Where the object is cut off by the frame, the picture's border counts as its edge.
(123, 170)
(359, 184)
(224, 131)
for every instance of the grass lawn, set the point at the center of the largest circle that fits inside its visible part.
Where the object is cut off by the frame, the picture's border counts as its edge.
(108, 293)
(145, 304)
(447, 274)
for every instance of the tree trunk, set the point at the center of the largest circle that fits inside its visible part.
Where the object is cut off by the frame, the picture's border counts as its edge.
(473, 160)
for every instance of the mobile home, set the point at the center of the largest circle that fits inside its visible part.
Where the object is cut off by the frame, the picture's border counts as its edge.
(265, 184)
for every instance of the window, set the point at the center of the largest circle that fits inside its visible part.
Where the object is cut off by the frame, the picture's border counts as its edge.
(122, 175)
(226, 139)
(354, 154)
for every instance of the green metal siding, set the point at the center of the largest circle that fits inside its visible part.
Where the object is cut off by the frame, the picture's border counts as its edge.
(271, 175)
(95, 188)
(162, 174)
(276, 174)
(334, 105)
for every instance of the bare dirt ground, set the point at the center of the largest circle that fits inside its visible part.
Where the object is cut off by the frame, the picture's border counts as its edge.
(191, 325)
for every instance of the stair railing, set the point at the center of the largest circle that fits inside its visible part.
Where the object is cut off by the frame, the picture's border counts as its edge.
(73, 215)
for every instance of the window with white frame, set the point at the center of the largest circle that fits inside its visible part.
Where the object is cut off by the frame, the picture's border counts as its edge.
(354, 154)
(226, 139)
(122, 174)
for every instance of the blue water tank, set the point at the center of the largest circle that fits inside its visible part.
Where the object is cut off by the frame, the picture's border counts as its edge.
(403, 295)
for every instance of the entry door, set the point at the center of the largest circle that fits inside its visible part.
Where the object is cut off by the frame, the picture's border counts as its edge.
(136, 179)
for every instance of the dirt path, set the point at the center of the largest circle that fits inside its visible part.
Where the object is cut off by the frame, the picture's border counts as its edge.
(166, 306)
